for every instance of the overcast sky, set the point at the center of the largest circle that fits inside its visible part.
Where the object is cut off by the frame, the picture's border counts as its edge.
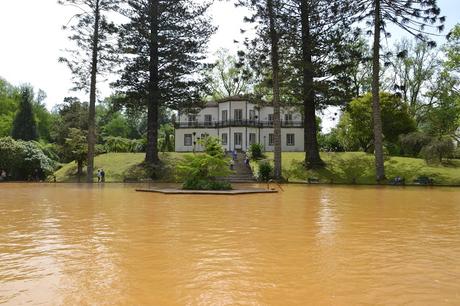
(31, 38)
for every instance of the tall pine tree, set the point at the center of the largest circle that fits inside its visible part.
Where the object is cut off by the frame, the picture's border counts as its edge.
(265, 57)
(319, 36)
(24, 124)
(164, 45)
(418, 18)
(93, 34)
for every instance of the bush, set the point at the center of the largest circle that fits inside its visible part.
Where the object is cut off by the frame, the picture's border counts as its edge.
(265, 171)
(206, 185)
(413, 143)
(255, 151)
(438, 149)
(124, 145)
(354, 168)
(24, 159)
(202, 171)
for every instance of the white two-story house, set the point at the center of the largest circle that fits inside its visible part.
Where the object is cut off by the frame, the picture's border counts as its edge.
(238, 123)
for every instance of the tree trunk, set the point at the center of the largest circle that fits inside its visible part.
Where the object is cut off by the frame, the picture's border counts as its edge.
(312, 157)
(92, 97)
(376, 113)
(151, 156)
(276, 90)
(79, 169)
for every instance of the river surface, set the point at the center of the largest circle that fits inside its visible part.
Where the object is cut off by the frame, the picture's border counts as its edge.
(315, 245)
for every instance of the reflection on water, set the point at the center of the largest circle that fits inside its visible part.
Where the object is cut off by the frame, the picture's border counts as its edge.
(70, 244)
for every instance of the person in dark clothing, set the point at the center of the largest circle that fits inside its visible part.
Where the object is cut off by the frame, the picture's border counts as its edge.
(102, 175)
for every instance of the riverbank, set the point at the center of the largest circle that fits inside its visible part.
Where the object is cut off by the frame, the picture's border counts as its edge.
(342, 168)
(358, 168)
(123, 167)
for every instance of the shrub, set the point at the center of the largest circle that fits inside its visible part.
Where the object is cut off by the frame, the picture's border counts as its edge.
(206, 185)
(255, 151)
(202, 171)
(212, 146)
(265, 171)
(438, 149)
(354, 168)
(413, 143)
(24, 159)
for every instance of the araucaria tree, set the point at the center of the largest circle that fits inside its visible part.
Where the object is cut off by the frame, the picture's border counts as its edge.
(316, 50)
(323, 34)
(164, 45)
(24, 124)
(264, 54)
(93, 35)
(419, 18)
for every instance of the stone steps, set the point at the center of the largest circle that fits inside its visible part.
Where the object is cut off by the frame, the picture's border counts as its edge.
(243, 173)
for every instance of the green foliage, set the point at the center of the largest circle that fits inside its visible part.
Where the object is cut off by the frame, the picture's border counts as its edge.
(76, 147)
(206, 185)
(330, 142)
(212, 146)
(202, 168)
(24, 124)
(70, 114)
(9, 103)
(265, 171)
(117, 144)
(227, 78)
(352, 169)
(438, 149)
(24, 159)
(166, 138)
(413, 143)
(255, 151)
(355, 128)
(452, 50)
(124, 145)
(117, 126)
(202, 171)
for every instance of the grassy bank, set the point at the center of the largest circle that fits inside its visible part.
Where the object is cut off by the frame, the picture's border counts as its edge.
(342, 168)
(120, 166)
(349, 167)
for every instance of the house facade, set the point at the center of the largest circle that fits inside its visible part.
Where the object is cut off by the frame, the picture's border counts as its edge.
(238, 124)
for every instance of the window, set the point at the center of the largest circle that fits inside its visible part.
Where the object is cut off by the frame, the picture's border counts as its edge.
(224, 139)
(270, 117)
(288, 117)
(188, 140)
(252, 114)
(252, 138)
(224, 115)
(238, 140)
(290, 139)
(207, 120)
(238, 114)
(271, 139)
(191, 120)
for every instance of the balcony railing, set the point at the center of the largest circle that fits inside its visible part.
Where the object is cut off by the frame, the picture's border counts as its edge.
(237, 123)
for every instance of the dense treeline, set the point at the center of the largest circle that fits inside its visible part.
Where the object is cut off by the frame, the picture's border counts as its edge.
(35, 140)
(310, 55)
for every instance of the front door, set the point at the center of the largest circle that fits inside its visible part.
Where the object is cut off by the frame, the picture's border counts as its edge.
(238, 141)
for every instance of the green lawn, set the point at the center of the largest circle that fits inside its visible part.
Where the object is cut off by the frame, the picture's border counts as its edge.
(359, 167)
(117, 166)
(341, 168)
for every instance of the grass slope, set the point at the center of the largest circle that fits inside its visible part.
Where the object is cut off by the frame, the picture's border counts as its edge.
(359, 167)
(117, 166)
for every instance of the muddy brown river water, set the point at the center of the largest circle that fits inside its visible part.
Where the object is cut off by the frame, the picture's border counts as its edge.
(309, 245)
